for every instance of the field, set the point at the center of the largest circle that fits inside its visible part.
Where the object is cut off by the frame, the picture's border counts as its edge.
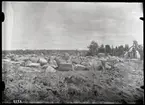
(97, 80)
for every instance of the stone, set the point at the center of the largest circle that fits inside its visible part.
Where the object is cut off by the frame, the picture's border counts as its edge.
(101, 55)
(50, 69)
(53, 63)
(13, 58)
(47, 58)
(65, 67)
(80, 67)
(34, 59)
(44, 66)
(18, 62)
(85, 64)
(66, 56)
(33, 65)
(113, 59)
(24, 58)
(103, 59)
(27, 62)
(89, 57)
(6, 60)
(42, 61)
(69, 60)
(95, 65)
(33, 55)
(59, 61)
(107, 66)
(76, 60)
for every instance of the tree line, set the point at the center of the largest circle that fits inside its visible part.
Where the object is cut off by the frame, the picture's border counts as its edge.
(94, 49)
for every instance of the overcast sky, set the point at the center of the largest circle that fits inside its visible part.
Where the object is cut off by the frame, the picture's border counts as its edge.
(51, 25)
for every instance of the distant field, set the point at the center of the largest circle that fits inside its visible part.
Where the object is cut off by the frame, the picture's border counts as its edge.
(45, 52)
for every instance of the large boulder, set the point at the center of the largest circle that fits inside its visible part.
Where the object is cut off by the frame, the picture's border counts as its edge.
(102, 59)
(65, 67)
(66, 56)
(76, 60)
(89, 57)
(11, 55)
(85, 64)
(24, 58)
(80, 67)
(23, 63)
(34, 59)
(20, 58)
(59, 60)
(33, 55)
(107, 65)
(13, 58)
(33, 65)
(113, 59)
(53, 63)
(50, 69)
(42, 61)
(101, 55)
(18, 62)
(45, 66)
(26, 63)
(47, 58)
(96, 64)
(121, 66)
(6, 60)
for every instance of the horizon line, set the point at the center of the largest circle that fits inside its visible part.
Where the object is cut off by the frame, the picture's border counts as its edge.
(40, 49)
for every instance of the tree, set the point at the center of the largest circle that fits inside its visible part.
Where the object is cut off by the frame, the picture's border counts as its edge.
(120, 50)
(112, 51)
(135, 44)
(116, 51)
(126, 47)
(107, 49)
(101, 49)
(141, 52)
(93, 48)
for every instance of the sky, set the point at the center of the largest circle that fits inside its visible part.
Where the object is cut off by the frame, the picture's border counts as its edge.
(70, 25)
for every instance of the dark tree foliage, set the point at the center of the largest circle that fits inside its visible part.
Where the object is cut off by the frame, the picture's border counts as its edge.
(126, 47)
(120, 50)
(107, 49)
(112, 51)
(93, 48)
(116, 51)
(101, 49)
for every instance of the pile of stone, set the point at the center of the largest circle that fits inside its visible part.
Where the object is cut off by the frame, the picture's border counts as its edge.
(66, 62)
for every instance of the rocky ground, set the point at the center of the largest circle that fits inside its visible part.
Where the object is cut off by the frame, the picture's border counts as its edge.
(65, 79)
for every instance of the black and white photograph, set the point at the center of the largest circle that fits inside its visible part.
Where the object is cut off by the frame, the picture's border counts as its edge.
(73, 52)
